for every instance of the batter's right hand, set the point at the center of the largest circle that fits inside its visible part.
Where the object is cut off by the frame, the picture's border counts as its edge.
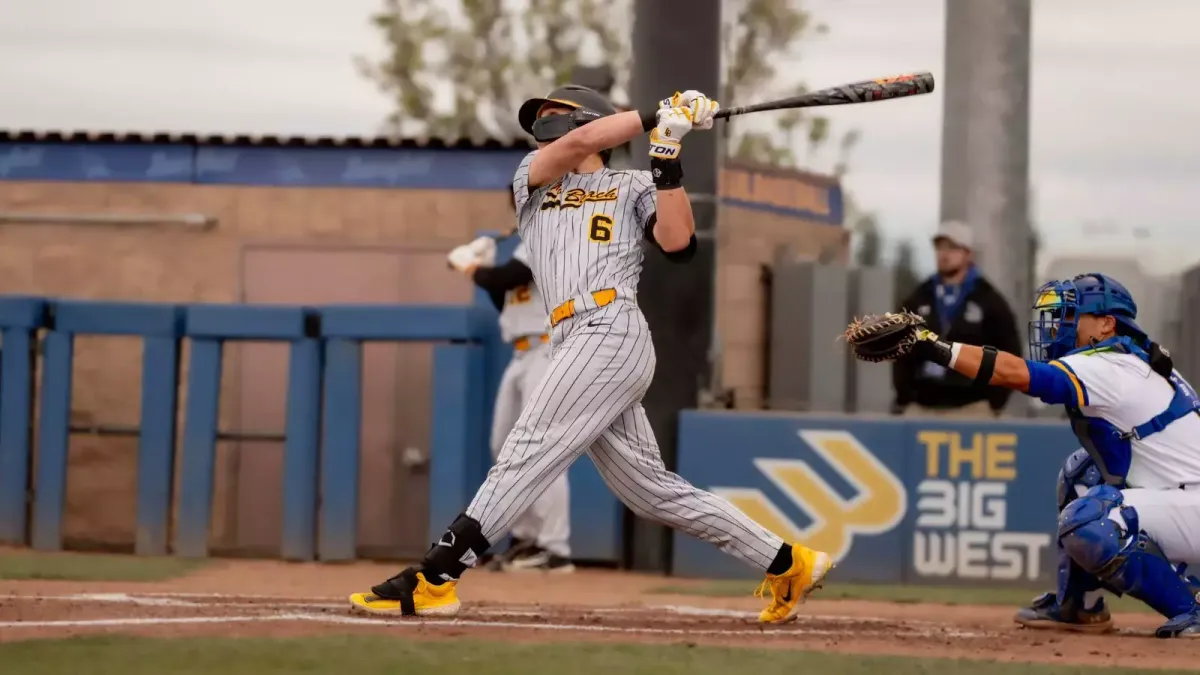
(485, 251)
(673, 125)
(463, 258)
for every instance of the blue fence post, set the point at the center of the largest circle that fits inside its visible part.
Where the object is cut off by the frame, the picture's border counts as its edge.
(340, 449)
(20, 319)
(457, 433)
(209, 326)
(198, 459)
(50, 487)
(300, 453)
(156, 446)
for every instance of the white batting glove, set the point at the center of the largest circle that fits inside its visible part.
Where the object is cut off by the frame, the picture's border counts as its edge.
(463, 258)
(673, 125)
(485, 251)
(703, 108)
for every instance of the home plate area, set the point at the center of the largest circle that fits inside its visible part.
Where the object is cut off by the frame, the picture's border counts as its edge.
(79, 612)
(273, 599)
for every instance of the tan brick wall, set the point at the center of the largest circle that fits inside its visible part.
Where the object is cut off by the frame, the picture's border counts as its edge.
(748, 239)
(169, 264)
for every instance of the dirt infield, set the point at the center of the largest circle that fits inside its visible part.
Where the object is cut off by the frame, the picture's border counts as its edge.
(260, 598)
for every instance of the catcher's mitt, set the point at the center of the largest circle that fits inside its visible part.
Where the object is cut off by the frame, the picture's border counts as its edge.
(886, 337)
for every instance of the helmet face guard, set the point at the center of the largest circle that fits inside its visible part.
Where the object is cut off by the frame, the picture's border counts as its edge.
(553, 127)
(1052, 332)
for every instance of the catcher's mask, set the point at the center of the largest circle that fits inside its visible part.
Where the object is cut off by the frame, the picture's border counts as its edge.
(587, 105)
(1059, 304)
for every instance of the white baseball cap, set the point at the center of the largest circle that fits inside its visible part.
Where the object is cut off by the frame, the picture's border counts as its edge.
(957, 233)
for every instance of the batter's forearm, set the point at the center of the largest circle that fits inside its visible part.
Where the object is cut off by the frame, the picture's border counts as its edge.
(1011, 371)
(675, 225)
(564, 154)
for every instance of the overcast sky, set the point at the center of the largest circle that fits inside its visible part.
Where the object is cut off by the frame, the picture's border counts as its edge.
(1115, 113)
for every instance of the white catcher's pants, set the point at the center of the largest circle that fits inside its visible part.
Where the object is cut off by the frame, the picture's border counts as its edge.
(1171, 518)
(548, 520)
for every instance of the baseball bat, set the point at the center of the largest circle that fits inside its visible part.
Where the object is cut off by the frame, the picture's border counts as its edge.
(899, 86)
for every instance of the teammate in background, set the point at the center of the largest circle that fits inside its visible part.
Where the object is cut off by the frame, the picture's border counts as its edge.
(1129, 500)
(541, 535)
(584, 225)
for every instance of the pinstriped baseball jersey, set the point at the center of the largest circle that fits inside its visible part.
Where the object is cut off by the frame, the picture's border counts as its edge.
(523, 314)
(584, 232)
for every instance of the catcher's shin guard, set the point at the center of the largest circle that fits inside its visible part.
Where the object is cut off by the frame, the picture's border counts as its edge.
(1100, 533)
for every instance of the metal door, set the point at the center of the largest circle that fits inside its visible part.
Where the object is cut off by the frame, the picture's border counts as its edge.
(393, 480)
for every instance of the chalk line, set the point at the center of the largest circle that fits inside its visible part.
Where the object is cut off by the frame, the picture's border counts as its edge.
(913, 628)
(782, 632)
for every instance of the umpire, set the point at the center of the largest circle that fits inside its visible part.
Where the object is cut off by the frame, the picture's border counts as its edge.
(961, 306)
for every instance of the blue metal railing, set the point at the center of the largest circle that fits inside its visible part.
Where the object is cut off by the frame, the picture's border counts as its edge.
(321, 435)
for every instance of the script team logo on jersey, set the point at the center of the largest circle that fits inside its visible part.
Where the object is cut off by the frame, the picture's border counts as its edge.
(576, 197)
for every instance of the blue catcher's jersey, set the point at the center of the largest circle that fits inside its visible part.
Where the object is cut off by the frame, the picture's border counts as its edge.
(1136, 424)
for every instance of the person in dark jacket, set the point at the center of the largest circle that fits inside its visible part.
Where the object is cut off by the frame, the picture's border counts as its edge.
(960, 306)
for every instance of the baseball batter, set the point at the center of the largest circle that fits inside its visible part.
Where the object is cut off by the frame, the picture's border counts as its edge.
(584, 225)
(541, 535)
(1129, 499)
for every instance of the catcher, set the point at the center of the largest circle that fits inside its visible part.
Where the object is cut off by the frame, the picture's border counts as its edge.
(1129, 500)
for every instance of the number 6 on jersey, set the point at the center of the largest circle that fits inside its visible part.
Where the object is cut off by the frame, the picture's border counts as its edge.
(601, 228)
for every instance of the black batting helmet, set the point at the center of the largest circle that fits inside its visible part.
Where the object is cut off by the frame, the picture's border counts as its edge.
(588, 104)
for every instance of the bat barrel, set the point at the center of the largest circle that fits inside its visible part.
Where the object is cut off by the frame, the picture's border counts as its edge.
(867, 91)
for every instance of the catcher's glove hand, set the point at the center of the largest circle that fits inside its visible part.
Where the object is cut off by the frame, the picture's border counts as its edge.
(887, 337)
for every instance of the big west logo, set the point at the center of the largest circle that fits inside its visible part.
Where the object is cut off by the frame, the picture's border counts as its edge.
(575, 197)
(878, 505)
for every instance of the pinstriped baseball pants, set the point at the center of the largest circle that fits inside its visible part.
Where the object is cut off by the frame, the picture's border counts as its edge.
(590, 402)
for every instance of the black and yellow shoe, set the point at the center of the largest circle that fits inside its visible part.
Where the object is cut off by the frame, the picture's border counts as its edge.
(391, 596)
(790, 589)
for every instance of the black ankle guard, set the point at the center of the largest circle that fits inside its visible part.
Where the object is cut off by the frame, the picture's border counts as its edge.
(400, 587)
(459, 548)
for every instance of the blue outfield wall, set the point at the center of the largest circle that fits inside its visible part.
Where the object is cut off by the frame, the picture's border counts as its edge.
(322, 446)
(893, 499)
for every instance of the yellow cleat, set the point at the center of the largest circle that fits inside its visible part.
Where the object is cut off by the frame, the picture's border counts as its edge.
(790, 589)
(428, 600)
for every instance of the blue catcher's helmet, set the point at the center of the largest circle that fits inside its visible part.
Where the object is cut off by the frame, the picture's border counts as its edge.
(1059, 304)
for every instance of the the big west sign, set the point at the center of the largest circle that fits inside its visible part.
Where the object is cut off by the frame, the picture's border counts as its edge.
(891, 500)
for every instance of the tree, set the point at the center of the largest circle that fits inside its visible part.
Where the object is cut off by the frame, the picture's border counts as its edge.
(756, 34)
(470, 43)
(907, 278)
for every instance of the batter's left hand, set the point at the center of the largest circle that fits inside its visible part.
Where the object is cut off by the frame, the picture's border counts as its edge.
(701, 106)
(673, 125)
